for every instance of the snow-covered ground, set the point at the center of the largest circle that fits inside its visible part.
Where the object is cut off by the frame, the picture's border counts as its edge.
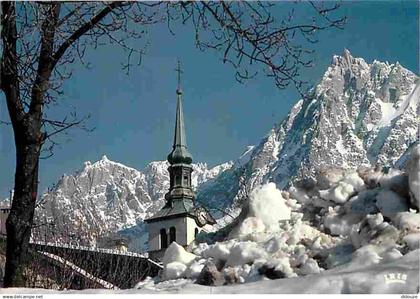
(398, 276)
(351, 231)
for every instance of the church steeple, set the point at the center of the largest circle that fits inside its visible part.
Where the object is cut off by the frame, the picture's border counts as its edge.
(181, 218)
(179, 152)
(180, 158)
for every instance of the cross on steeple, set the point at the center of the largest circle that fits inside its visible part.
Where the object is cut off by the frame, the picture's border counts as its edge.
(179, 71)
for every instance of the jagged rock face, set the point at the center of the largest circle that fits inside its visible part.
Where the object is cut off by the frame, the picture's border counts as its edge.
(360, 114)
(107, 197)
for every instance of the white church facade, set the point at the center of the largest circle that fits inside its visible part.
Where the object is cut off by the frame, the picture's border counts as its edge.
(180, 219)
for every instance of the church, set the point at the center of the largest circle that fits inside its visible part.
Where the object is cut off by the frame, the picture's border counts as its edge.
(181, 218)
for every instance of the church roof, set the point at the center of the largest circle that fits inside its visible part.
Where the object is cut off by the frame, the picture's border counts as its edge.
(179, 208)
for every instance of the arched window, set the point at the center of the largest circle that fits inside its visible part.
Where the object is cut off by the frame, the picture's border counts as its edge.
(172, 234)
(195, 232)
(163, 239)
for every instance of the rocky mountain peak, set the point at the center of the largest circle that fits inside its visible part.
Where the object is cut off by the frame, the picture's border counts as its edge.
(107, 197)
(360, 114)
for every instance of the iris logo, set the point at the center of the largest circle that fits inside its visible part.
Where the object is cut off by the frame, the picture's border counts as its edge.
(395, 278)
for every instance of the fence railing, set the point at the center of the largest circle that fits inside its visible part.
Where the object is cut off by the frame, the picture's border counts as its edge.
(98, 249)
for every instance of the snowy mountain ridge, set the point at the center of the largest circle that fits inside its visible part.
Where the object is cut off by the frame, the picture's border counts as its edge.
(106, 197)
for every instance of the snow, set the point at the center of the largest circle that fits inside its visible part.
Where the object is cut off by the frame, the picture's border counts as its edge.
(400, 276)
(282, 264)
(195, 269)
(388, 113)
(177, 253)
(339, 194)
(365, 256)
(176, 261)
(360, 245)
(244, 253)
(363, 203)
(174, 270)
(219, 251)
(267, 204)
(408, 222)
(390, 203)
(344, 188)
(393, 177)
(412, 240)
(413, 170)
(352, 178)
(245, 157)
(374, 220)
(310, 267)
(340, 224)
(251, 227)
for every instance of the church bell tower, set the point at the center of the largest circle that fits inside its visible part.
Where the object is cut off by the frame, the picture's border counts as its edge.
(179, 158)
(180, 219)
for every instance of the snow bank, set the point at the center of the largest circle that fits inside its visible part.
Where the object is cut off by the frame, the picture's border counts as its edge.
(341, 191)
(283, 250)
(408, 222)
(340, 224)
(394, 180)
(251, 227)
(176, 261)
(412, 241)
(244, 252)
(219, 251)
(174, 270)
(355, 222)
(267, 204)
(399, 276)
(339, 194)
(413, 171)
(390, 203)
(177, 253)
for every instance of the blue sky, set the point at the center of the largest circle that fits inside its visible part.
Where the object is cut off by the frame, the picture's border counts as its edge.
(134, 115)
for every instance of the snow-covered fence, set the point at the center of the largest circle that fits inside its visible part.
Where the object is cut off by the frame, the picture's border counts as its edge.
(120, 268)
(79, 270)
(95, 249)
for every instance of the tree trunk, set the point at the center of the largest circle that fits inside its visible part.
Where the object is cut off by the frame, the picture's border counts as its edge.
(19, 222)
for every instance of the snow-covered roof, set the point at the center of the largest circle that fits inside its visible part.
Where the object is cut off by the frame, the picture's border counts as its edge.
(183, 207)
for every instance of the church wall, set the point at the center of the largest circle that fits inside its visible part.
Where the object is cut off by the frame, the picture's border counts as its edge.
(191, 226)
(180, 225)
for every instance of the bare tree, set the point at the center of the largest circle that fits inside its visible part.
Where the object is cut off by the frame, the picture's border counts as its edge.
(41, 41)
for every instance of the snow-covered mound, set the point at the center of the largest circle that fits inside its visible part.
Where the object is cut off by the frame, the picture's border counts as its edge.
(400, 276)
(360, 114)
(105, 198)
(346, 222)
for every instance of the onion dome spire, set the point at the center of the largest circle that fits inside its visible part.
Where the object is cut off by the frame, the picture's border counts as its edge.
(179, 152)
